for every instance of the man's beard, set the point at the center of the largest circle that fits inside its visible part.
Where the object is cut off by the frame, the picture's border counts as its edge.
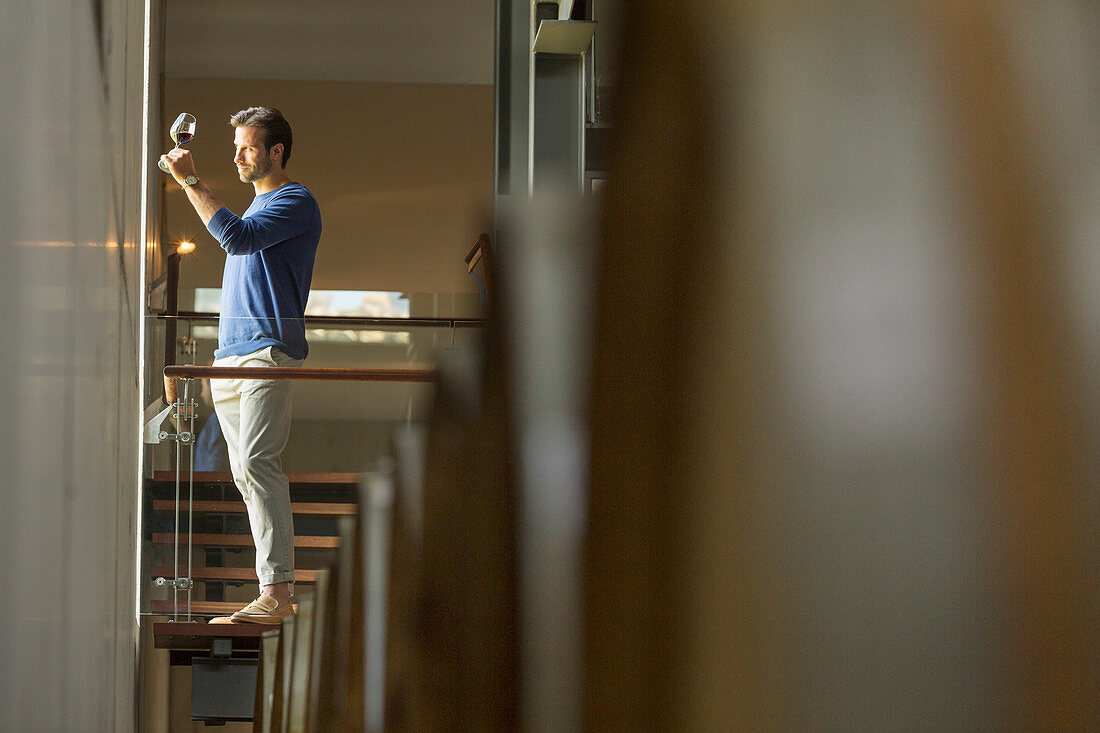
(254, 174)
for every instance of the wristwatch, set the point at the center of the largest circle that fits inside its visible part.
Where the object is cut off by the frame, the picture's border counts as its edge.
(190, 181)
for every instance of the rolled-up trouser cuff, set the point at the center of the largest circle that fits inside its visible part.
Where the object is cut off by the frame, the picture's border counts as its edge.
(287, 577)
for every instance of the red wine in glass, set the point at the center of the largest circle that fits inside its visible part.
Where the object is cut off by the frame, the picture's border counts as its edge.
(183, 129)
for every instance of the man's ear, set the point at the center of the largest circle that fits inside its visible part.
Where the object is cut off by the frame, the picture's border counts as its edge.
(277, 150)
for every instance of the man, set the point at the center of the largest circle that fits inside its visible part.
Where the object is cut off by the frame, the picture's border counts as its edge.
(271, 249)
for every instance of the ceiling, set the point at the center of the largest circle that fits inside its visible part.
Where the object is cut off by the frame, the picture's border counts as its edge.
(414, 41)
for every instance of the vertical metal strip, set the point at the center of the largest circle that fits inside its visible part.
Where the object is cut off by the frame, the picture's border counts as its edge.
(176, 533)
(191, 406)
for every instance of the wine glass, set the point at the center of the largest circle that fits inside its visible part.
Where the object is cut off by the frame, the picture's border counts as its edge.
(183, 129)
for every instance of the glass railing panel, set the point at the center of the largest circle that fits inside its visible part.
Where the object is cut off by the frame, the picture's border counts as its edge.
(338, 431)
(359, 303)
(336, 426)
(156, 333)
(381, 343)
(468, 337)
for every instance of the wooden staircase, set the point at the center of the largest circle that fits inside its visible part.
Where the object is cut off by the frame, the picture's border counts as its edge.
(305, 673)
(409, 621)
(220, 533)
(221, 537)
(166, 539)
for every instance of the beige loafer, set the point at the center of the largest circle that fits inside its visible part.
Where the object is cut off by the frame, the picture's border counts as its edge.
(263, 610)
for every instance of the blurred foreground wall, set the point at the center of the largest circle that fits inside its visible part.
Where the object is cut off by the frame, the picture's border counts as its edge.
(71, 79)
(846, 398)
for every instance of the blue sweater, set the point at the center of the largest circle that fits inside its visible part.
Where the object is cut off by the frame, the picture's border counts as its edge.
(267, 273)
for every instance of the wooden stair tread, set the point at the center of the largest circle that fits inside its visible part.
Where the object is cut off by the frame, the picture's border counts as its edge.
(243, 540)
(295, 477)
(314, 508)
(197, 635)
(208, 573)
(202, 608)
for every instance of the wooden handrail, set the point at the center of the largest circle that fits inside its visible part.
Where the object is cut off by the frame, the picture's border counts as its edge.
(320, 374)
(479, 250)
(296, 477)
(322, 321)
(298, 508)
(162, 607)
(245, 540)
(228, 574)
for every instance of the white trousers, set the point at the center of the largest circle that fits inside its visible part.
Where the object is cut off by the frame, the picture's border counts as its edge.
(255, 420)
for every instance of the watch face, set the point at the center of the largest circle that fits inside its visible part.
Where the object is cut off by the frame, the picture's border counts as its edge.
(190, 181)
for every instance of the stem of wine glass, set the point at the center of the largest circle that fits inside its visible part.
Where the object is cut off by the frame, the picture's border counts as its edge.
(162, 166)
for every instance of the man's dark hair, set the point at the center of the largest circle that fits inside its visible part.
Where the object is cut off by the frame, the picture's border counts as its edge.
(271, 122)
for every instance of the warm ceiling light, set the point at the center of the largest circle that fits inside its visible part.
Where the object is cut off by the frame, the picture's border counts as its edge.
(185, 248)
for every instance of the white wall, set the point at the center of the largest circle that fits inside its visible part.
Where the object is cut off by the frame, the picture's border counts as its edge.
(70, 276)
